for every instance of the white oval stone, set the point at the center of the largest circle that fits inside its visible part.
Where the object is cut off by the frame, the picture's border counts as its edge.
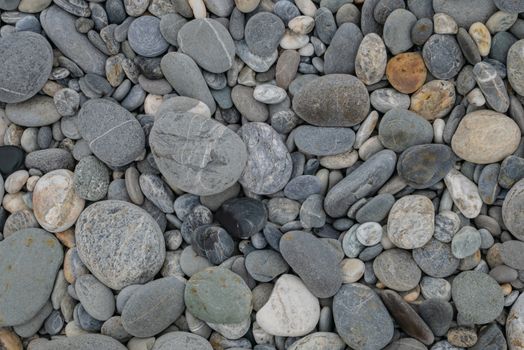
(291, 311)
(464, 193)
(369, 233)
(269, 94)
(302, 24)
(16, 181)
(352, 270)
(444, 24)
(293, 41)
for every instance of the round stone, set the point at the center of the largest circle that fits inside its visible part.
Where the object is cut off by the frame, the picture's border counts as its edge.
(436, 259)
(400, 129)
(31, 259)
(263, 32)
(434, 99)
(477, 297)
(269, 164)
(438, 314)
(511, 254)
(37, 111)
(423, 166)
(218, 295)
(339, 100)
(265, 265)
(120, 243)
(465, 242)
(91, 179)
(515, 66)
(397, 30)
(397, 270)
(485, 137)
(97, 299)
(513, 211)
(180, 341)
(55, 203)
(19, 220)
(443, 56)
(209, 43)
(371, 59)
(369, 233)
(113, 133)
(145, 38)
(411, 222)
(196, 154)
(320, 141)
(26, 60)
(406, 72)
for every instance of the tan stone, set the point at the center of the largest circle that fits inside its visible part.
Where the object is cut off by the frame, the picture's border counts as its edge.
(55, 203)
(67, 237)
(14, 202)
(50, 88)
(482, 37)
(407, 72)
(434, 99)
(485, 136)
(352, 270)
(16, 181)
(371, 59)
(246, 5)
(73, 266)
(411, 295)
(302, 24)
(9, 340)
(33, 6)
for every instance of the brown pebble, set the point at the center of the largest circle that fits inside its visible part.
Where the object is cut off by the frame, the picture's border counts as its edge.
(67, 237)
(506, 289)
(406, 72)
(9, 340)
(434, 99)
(462, 337)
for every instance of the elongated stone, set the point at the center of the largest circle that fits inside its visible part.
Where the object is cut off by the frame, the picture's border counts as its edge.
(492, 86)
(512, 212)
(341, 53)
(515, 325)
(323, 141)
(400, 129)
(515, 65)
(371, 59)
(464, 193)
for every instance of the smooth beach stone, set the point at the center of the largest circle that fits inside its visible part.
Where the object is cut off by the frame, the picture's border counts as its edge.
(196, 172)
(492, 86)
(263, 32)
(26, 60)
(477, 297)
(384, 100)
(11, 159)
(302, 187)
(319, 341)
(423, 166)
(180, 104)
(91, 179)
(397, 270)
(515, 64)
(490, 337)
(484, 137)
(47, 160)
(325, 25)
(397, 31)
(511, 254)
(265, 172)
(213, 242)
(407, 318)
(170, 25)
(145, 38)
(109, 244)
(282, 210)
(511, 6)
(361, 318)
(487, 183)
(31, 258)
(436, 259)
(371, 59)
(338, 100)
(207, 42)
(311, 213)
(218, 295)
(376, 209)
(257, 63)
(55, 203)
(511, 171)
(269, 94)
(411, 222)
(59, 27)
(434, 99)
(35, 112)
(83, 342)
(97, 299)
(463, 12)
(512, 213)
(153, 307)
(113, 133)
(438, 315)
(318, 269)
(400, 129)
(291, 311)
(369, 233)
(157, 191)
(421, 31)
(385, 7)
(180, 341)
(443, 56)
(320, 141)
(515, 324)
(368, 22)
(265, 265)
(406, 72)
(444, 24)
(406, 343)
(341, 53)
(465, 242)
(19, 220)
(464, 193)
(374, 172)
(246, 104)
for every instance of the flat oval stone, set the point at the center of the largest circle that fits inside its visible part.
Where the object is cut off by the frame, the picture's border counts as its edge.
(477, 297)
(319, 341)
(512, 213)
(120, 243)
(181, 341)
(492, 86)
(195, 153)
(97, 299)
(302, 186)
(511, 254)
(145, 38)
(438, 315)
(361, 319)
(332, 100)
(59, 27)
(434, 99)
(361, 182)
(464, 193)
(423, 166)
(320, 141)
(462, 11)
(213, 242)
(341, 53)
(397, 270)
(371, 59)
(265, 265)
(50, 159)
(397, 31)
(268, 167)
(515, 66)
(443, 56)
(406, 72)
(242, 217)
(31, 259)
(55, 203)
(158, 192)
(153, 307)
(218, 295)
(263, 32)
(435, 259)
(113, 133)
(26, 61)
(465, 242)
(83, 342)
(485, 137)
(209, 43)
(291, 311)
(400, 129)
(515, 324)
(411, 222)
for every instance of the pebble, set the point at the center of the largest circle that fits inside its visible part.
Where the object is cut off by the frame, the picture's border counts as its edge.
(376, 209)
(218, 295)
(341, 54)
(291, 310)
(465, 242)
(421, 31)
(434, 99)
(464, 193)
(145, 38)
(438, 315)
(319, 341)
(35, 112)
(444, 24)
(83, 342)
(510, 254)
(312, 140)
(397, 270)
(157, 191)
(302, 186)
(514, 65)
(171, 132)
(490, 336)
(263, 33)
(269, 94)
(371, 59)
(492, 86)
(97, 299)
(515, 324)
(397, 31)
(443, 56)
(91, 179)
(384, 100)
(512, 216)
(400, 129)
(462, 336)
(213, 242)
(436, 259)
(369, 233)
(172, 340)
(464, 14)
(406, 72)
(511, 171)
(99, 244)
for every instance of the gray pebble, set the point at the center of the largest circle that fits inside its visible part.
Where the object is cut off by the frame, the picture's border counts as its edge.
(91, 179)
(443, 56)
(263, 32)
(97, 299)
(397, 31)
(397, 270)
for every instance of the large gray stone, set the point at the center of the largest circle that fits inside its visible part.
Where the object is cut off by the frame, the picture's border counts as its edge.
(96, 298)
(320, 141)
(37, 111)
(341, 54)
(443, 56)
(400, 129)
(397, 31)
(82, 342)
(466, 12)
(145, 38)
(396, 269)
(181, 341)
(513, 210)
(263, 32)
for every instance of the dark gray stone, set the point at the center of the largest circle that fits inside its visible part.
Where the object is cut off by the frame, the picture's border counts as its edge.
(265, 265)
(170, 25)
(47, 160)
(421, 8)
(468, 46)
(91, 179)
(368, 22)
(263, 32)
(487, 183)
(500, 45)
(436, 259)
(511, 171)
(236, 24)
(325, 26)
(245, 103)
(397, 270)
(421, 31)
(490, 337)
(259, 64)
(286, 10)
(438, 315)
(320, 141)
(376, 209)
(510, 6)
(198, 216)
(302, 186)
(212, 242)
(443, 56)
(242, 217)
(341, 53)
(400, 129)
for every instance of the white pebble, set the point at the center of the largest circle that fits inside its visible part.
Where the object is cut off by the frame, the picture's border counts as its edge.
(269, 94)
(369, 233)
(444, 24)
(293, 41)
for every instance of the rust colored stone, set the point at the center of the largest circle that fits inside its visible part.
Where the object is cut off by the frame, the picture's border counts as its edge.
(406, 72)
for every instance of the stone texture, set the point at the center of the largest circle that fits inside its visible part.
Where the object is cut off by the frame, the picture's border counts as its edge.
(320, 141)
(515, 65)
(464, 193)
(406, 72)
(436, 259)
(341, 53)
(371, 59)
(462, 11)
(512, 210)
(515, 324)
(434, 99)
(443, 56)
(83, 342)
(396, 269)
(400, 129)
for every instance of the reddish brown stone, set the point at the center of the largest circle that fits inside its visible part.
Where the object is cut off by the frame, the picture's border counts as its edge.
(406, 72)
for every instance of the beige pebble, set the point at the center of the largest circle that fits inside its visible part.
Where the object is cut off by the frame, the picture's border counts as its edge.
(198, 7)
(13, 135)
(31, 182)
(9, 340)
(340, 161)
(307, 7)
(385, 241)
(464, 193)
(4, 123)
(412, 295)
(246, 5)
(438, 130)
(73, 329)
(16, 181)
(444, 24)
(141, 343)
(14, 202)
(51, 88)
(352, 270)
(307, 50)
(366, 129)
(370, 147)
(434, 99)
(393, 185)
(506, 288)
(33, 6)
(293, 41)
(73, 266)
(476, 98)
(480, 34)
(67, 237)
(246, 77)
(380, 285)
(302, 24)
(151, 103)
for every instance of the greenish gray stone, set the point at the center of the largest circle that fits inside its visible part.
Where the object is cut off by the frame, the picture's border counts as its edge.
(400, 129)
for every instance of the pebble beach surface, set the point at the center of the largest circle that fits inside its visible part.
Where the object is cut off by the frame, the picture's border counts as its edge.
(261, 174)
